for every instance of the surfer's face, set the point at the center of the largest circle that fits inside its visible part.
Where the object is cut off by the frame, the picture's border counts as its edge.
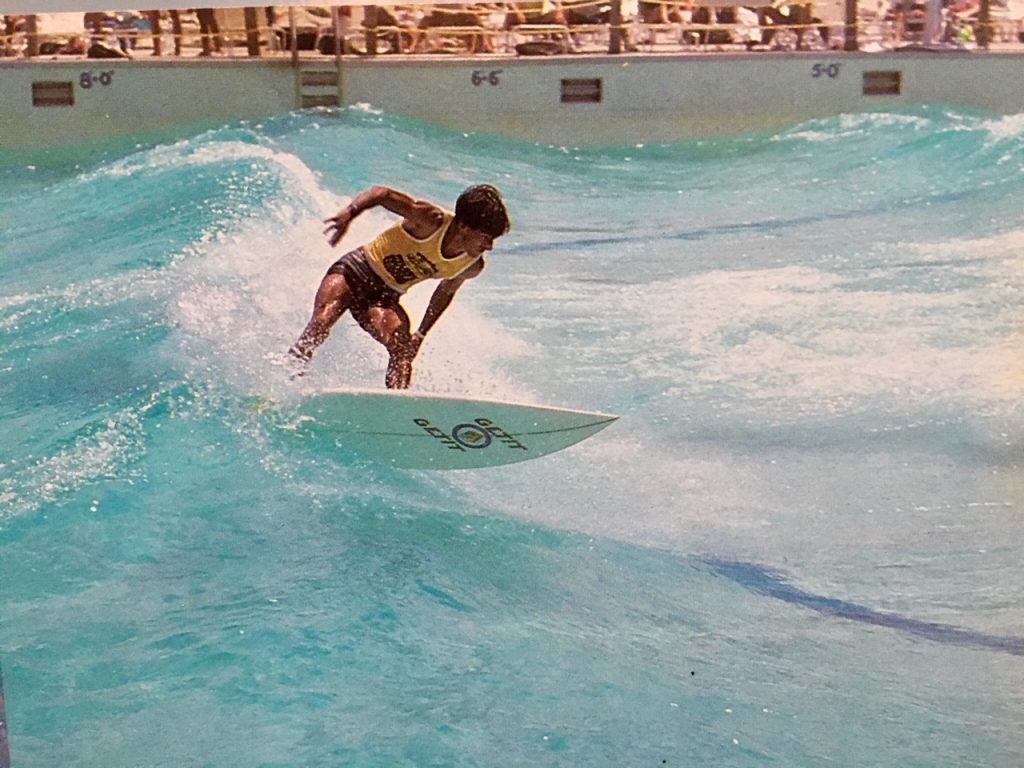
(477, 243)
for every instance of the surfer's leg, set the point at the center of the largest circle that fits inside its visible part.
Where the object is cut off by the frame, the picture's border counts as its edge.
(399, 373)
(333, 298)
(390, 326)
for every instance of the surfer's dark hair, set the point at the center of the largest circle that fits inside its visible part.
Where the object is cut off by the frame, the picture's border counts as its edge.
(482, 208)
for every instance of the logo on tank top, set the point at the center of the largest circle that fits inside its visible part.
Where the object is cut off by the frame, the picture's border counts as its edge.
(409, 268)
(421, 264)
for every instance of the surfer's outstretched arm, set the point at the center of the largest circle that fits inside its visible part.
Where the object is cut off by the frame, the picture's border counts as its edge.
(422, 218)
(439, 302)
(404, 346)
(442, 297)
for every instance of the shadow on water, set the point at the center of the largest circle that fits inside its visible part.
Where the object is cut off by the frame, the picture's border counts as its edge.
(763, 581)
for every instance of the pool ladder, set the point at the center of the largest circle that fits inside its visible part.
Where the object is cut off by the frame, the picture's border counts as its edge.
(319, 85)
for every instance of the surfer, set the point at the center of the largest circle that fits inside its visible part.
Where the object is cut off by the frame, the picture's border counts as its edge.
(428, 243)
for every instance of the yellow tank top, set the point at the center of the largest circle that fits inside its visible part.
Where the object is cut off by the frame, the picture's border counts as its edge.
(401, 260)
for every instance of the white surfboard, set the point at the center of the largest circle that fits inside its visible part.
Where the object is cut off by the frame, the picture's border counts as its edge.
(435, 432)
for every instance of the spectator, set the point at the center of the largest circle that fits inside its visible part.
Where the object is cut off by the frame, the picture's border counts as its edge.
(535, 12)
(74, 47)
(95, 23)
(398, 41)
(10, 29)
(661, 13)
(459, 16)
(127, 31)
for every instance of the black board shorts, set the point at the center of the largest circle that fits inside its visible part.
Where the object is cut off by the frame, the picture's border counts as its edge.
(368, 290)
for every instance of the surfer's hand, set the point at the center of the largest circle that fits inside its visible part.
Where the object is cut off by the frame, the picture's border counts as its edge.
(415, 341)
(337, 225)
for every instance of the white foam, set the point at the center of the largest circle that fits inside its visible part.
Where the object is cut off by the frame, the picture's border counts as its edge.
(1007, 127)
(923, 338)
(845, 126)
(816, 340)
(364, 106)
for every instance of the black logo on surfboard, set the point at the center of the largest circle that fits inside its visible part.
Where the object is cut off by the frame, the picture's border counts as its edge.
(480, 433)
(471, 436)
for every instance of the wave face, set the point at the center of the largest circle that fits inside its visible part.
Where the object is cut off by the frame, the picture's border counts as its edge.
(798, 546)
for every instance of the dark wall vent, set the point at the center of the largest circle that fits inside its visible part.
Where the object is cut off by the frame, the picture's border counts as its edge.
(49, 93)
(883, 83)
(584, 91)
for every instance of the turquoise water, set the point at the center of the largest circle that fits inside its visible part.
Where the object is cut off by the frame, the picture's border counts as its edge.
(799, 546)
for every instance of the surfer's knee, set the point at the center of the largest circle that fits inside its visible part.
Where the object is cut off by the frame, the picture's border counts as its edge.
(331, 302)
(333, 291)
(395, 336)
(394, 331)
(386, 327)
